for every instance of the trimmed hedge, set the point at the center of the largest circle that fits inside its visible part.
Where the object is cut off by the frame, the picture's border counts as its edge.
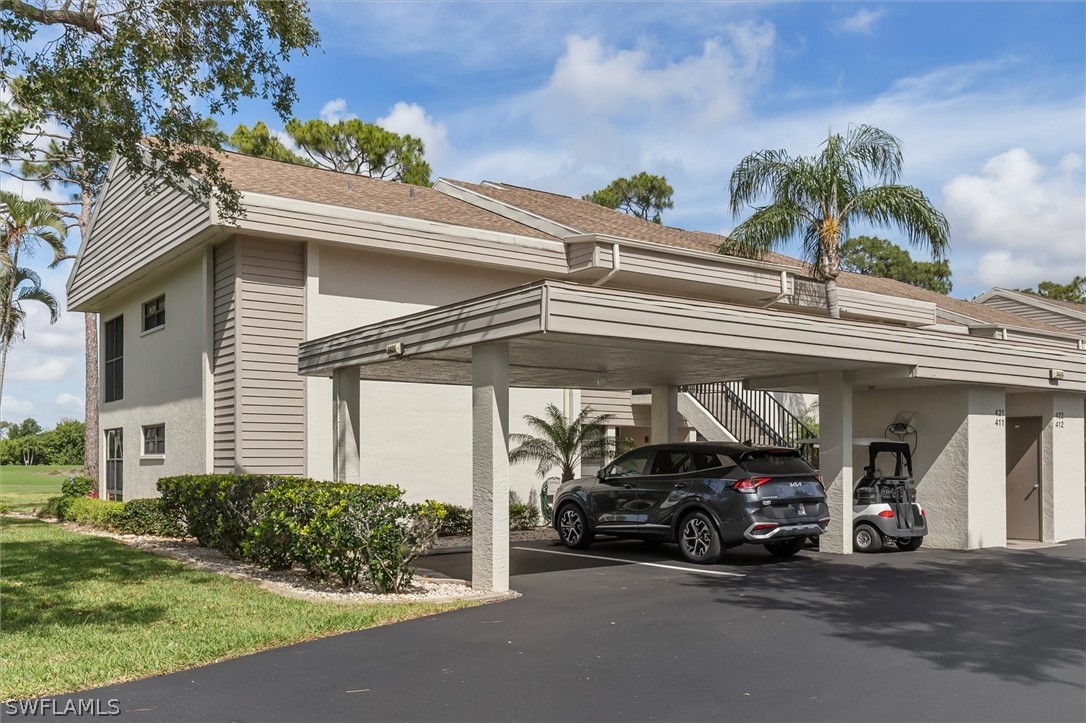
(103, 514)
(216, 509)
(149, 517)
(343, 530)
(56, 507)
(78, 486)
(457, 522)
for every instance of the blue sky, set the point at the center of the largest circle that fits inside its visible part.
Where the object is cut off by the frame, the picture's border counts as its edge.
(988, 99)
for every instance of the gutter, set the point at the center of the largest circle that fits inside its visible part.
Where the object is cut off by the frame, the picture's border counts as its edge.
(779, 297)
(616, 266)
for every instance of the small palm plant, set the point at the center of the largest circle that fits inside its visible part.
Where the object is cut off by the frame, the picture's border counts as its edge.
(853, 178)
(562, 442)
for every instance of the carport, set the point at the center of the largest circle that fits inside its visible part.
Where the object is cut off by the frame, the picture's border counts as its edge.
(552, 334)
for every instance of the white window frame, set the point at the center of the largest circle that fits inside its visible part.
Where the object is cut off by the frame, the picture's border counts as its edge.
(143, 441)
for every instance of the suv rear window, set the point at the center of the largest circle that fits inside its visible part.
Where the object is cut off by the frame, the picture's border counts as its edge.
(775, 462)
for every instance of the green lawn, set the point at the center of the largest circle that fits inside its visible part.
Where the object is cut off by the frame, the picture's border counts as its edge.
(82, 611)
(25, 489)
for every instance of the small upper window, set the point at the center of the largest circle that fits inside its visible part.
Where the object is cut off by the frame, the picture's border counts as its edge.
(154, 313)
(154, 440)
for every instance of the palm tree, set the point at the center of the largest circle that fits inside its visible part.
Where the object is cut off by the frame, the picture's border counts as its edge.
(818, 197)
(26, 287)
(562, 443)
(27, 224)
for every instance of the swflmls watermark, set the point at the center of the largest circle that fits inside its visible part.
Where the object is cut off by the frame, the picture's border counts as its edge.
(89, 707)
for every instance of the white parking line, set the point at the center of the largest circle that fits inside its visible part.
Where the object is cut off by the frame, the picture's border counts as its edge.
(696, 571)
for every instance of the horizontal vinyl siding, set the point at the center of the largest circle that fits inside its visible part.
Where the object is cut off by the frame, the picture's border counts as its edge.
(131, 229)
(271, 394)
(409, 236)
(937, 356)
(224, 436)
(615, 402)
(1028, 311)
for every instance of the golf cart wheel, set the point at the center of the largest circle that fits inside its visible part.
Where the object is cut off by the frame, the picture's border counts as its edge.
(786, 548)
(699, 540)
(573, 527)
(913, 543)
(866, 538)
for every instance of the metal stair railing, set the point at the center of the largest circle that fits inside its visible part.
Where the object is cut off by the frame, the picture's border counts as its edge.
(750, 414)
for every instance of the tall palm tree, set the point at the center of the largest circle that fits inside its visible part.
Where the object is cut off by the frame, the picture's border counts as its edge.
(853, 178)
(18, 286)
(562, 442)
(26, 225)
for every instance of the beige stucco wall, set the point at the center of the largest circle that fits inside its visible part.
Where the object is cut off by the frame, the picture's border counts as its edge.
(1062, 460)
(415, 435)
(164, 377)
(959, 463)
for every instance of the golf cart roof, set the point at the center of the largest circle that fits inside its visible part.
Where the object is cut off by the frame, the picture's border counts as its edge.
(881, 444)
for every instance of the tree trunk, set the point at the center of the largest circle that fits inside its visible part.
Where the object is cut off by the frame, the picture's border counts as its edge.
(90, 389)
(90, 381)
(833, 306)
(3, 367)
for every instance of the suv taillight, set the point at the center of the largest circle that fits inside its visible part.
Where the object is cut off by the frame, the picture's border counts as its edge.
(749, 485)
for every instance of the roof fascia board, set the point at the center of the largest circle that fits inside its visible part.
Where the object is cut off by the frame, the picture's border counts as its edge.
(680, 251)
(501, 208)
(1031, 301)
(347, 213)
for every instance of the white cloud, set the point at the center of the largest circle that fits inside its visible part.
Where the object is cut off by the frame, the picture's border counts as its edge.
(1026, 221)
(13, 407)
(36, 368)
(412, 119)
(336, 110)
(862, 22)
(71, 401)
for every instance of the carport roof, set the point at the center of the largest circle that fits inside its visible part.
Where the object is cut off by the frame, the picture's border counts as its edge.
(568, 335)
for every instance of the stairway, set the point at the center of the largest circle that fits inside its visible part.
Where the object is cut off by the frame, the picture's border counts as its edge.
(749, 414)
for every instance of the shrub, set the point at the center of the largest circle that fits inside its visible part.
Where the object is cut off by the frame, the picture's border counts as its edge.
(149, 517)
(457, 520)
(523, 516)
(216, 509)
(103, 514)
(78, 486)
(343, 530)
(56, 507)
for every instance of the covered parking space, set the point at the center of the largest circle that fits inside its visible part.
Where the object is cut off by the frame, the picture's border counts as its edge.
(560, 335)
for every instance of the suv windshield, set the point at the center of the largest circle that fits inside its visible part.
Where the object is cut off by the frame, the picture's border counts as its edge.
(775, 462)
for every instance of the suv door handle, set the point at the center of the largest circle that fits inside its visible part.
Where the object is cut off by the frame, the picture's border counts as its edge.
(681, 485)
(628, 486)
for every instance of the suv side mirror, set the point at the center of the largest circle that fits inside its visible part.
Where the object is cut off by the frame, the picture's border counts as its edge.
(601, 474)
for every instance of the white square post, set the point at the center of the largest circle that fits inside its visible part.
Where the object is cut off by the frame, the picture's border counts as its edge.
(490, 467)
(346, 428)
(665, 415)
(835, 458)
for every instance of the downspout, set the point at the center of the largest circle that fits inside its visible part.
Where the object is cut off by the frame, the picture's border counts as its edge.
(616, 266)
(784, 292)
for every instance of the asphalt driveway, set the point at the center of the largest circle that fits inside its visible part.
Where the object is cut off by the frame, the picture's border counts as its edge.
(931, 635)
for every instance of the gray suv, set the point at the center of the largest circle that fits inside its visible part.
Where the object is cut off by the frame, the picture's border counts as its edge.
(705, 496)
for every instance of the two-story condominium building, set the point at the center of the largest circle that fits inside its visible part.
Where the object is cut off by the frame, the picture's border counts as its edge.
(412, 304)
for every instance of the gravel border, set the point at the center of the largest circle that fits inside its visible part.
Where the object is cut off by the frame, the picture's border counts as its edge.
(293, 583)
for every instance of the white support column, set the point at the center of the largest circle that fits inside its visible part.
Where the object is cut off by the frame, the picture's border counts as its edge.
(835, 458)
(571, 401)
(610, 433)
(665, 414)
(346, 427)
(490, 467)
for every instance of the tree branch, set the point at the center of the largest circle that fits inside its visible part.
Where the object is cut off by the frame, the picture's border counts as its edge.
(61, 16)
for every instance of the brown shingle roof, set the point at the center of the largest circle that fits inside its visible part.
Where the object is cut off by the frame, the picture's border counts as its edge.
(1055, 302)
(589, 217)
(276, 178)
